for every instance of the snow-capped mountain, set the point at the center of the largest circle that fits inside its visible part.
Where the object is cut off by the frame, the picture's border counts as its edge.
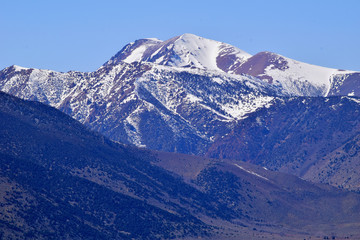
(191, 51)
(149, 105)
(187, 50)
(175, 95)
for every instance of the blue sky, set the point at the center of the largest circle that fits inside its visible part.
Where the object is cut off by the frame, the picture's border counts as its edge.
(82, 35)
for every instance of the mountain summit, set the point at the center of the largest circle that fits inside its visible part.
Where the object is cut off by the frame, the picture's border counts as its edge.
(187, 50)
(191, 51)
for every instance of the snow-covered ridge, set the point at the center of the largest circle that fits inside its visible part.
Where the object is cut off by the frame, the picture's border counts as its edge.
(117, 99)
(187, 50)
(199, 52)
(234, 96)
(295, 74)
(19, 68)
(188, 90)
(194, 52)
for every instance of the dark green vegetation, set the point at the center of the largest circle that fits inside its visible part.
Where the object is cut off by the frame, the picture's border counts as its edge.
(59, 180)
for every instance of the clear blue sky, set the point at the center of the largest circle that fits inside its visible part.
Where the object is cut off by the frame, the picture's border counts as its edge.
(82, 35)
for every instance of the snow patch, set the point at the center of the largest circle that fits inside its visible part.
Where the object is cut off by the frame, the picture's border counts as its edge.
(251, 172)
(19, 68)
(298, 74)
(196, 52)
(218, 80)
(248, 104)
(351, 94)
(134, 134)
(136, 55)
(193, 98)
(129, 98)
(357, 100)
(153, 39)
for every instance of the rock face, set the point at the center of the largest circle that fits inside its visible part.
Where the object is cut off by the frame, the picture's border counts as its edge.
(60, 180)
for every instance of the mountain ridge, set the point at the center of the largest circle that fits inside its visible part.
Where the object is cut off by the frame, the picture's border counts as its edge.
(82, 185)
(290, 74)
(126, 91)
(170, 97)
(187, 50)
(312, 138)
(194, 52)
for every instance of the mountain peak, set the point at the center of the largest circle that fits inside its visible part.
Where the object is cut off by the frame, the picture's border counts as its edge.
(17, 68)
(194, 52)
(153, 39)
(190, 36)
(187, 50)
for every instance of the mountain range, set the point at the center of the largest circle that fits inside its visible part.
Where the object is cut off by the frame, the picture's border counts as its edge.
(186, 95)
(190, 51)
(181, 95)
(60, 180)
(187, 89)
